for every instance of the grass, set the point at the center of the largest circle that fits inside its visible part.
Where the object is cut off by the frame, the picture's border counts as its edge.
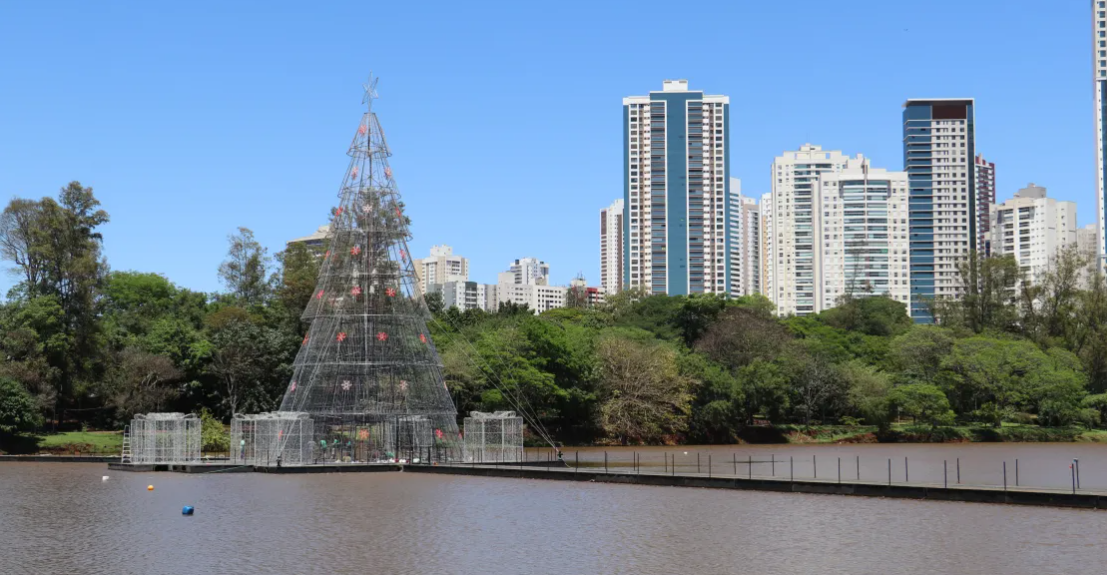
(64, 443)
(912, 433)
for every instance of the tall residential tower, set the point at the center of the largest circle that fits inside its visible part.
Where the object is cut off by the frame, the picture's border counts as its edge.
(676, 191)
(938, 150)
(611, 247)
(1099, 56)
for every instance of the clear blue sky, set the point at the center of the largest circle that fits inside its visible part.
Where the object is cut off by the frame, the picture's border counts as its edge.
(193, 119)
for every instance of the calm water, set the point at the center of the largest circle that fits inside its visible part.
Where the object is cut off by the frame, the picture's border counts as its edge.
(60, 518)
(1044, 465)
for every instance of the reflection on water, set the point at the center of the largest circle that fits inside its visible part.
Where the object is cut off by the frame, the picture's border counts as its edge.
(60, 518)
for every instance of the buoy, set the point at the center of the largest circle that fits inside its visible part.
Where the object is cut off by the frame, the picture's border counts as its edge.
(149, 488)
(187, 510)
(104, 478)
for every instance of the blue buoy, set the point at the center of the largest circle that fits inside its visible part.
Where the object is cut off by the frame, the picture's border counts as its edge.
(187, 510)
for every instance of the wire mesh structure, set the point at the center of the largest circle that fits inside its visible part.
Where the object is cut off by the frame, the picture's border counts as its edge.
(165, 438)
(269, 438)
(367, 372)
(493, 437)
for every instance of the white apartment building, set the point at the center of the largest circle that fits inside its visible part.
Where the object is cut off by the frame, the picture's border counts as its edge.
(441, 267)
(676, 190)
(1033, 229)
(1099, 87)
(538, 297)
(939, 147)
(861, 234)
(611, 247)
(530, 271)
(768, 284)
(1085, 240)
(745, 242)
(985, 198)
(793, 221)
(462, 294)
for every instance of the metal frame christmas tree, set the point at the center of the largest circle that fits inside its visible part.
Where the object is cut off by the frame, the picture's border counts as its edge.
(367, 372)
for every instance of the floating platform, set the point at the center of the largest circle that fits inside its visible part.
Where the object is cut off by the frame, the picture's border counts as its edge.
(181, 467)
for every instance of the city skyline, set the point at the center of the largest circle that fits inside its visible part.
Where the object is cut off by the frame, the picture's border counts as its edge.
(248, 135)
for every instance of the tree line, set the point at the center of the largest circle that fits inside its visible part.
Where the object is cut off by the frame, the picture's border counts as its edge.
(81, 344)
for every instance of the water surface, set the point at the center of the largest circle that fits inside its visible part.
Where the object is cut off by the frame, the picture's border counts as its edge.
(60, 518)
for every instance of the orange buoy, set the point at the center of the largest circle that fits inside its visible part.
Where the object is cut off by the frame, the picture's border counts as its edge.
(149, 488)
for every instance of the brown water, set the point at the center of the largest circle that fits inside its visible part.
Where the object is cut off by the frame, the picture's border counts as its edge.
(1040, 465)
(60, 518)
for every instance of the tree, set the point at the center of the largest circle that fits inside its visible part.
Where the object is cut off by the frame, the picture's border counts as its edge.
(251, 364)
(869, 391)
(875, 315)
(434, 302)
(140, 382)
(741, 335)
(923, 402)
(918, 354)
(299, 271)
(18, 411)
(763, 390)
(988, 297)
(643, 396)
(244, 270)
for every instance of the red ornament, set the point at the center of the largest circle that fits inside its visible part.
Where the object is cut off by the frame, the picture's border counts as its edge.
(338, 211)
(391, 292)
(355, 250)
(381, 336)
(292, 387)
(341, 336)
(327, 254)
(356, 291)
(438, 433)
(398, 213)
(305, 340)
(353, 173)
(422, 338)
(361, 129)
(319, 295)
(388, 172)
(403, 255)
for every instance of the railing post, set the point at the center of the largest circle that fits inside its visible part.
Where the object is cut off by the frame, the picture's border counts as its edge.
(1004, 476)
(1016, 472)
(1076, 462)
(773, 457)
(697, 463)
(945, 474)
(709, 466)
(906, 472)
(959, 471)
(839, 471)
(791, 469)
(889, 471)
(814, 467)
(605, 462)
(858, 467)
(750, 470)
(734, 456)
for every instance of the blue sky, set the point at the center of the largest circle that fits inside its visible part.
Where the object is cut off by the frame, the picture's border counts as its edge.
(192, 119)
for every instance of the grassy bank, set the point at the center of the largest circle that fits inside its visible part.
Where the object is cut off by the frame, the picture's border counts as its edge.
(65, 443)
(908, 433)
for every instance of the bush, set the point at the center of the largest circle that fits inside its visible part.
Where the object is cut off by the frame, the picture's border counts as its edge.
(213, 434)
(17, 408)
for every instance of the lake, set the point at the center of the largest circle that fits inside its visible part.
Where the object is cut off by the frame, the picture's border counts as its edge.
(61, 518)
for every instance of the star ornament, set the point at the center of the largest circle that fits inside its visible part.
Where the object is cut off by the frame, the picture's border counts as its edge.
(390, 292)
(356, 291)
(388, 172)
(423, 338)
(355, 250)
(367, 208)
(381, 336)
(292, 387)
(319, 295)
(353, 173)
(399, 214)
(305, 340)
(403, 386)
(338, 211)
(346, 385)
(341, 336)
(362, 129)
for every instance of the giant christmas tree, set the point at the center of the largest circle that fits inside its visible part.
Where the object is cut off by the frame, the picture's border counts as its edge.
(367, 371)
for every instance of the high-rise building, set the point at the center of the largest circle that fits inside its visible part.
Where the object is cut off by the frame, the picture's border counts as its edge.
(1086, 242)
(528, 271)
(938, 150)
(1099, 79)
(861, 234)
(985, 198)
(1033, 229)
(768, 285)
(464, 295)
(794, 220)
(745, 242)
(441, 267)
(676, 191)
(611, 247)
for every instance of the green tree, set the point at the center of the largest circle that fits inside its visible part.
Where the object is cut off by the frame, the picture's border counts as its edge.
(923, 402)
(875, 315)
(869, 391)
(245, 269)
(140, 382)
(988, 299)
(299, 271)
(918, 354)
(18, 411)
